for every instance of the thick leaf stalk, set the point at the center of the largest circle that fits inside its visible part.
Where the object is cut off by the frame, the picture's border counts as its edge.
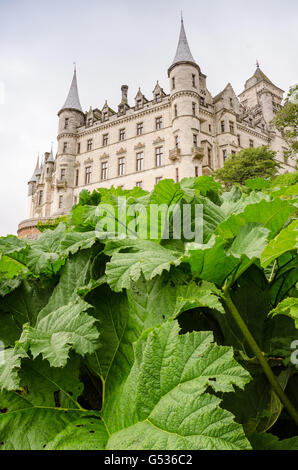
(259, 355)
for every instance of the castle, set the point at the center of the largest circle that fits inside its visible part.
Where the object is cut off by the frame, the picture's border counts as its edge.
(183, 133)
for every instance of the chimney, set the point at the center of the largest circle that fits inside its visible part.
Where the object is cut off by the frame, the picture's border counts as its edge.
(124, 90)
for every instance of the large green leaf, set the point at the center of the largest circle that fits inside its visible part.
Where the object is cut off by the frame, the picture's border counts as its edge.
(55, 334)
(285, 241)
(140, 256)
(265, 441)
(44, 256)
(271, 214)
(173, 372)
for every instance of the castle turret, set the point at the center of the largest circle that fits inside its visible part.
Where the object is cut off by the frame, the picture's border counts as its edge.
(71, 117)
(185, 76)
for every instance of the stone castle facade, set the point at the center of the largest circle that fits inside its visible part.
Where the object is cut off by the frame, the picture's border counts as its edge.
(183, 133)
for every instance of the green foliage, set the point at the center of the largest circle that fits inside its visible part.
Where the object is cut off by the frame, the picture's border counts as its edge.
(286, 120)
(248, 163)
(51, 223)
(134, 343)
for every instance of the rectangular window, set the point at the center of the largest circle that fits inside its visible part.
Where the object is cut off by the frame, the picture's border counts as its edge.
(40, 197)
(195, 140)
(224, 154)
(193, 109)
(173, 82)
(89, 144)
(196, 171)
(66, 123)
(79, 148)
(121, 166)
(177, 175)
(231, 102)
(121, 134)
(139, 184)
(90, 122)
(158, 179)
(77, 178)
(105, 138)
(193, 80)
(139, 104)
(209, 157)
(64, 147)
(202, 101)
(60, 202)
(209, 128)
(239, 140)
(233, 152)
(222, 124)
(158, 156)
(104, 170)
(140, 128)
(62, 174)
(251, 143)
(88, 175)
(175, 110)
(158, 97)
(140, 161)
(105, 116)
(231, 124)
(158, 123)
(176, 141)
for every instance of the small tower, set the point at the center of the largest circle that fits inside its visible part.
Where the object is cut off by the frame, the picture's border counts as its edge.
(71, 117)
(259, 91)
(184, 75)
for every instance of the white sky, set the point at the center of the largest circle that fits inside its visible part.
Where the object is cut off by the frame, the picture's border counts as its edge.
(120, 42)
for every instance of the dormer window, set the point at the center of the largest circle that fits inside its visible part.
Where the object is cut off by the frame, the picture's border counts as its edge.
(90, 122)
(66, 123)
(231, 102)
(202, 101)
(158, 97)
(105, 116)
(139, 104)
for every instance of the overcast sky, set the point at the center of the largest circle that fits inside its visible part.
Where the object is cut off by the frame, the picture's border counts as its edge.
(120, 42)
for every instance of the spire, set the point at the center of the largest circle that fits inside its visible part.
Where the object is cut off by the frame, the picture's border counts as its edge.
(51, 157)
(36, 172)
(183, 53)
(73, 100)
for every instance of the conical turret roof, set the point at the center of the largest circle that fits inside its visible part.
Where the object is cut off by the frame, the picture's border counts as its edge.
(51, 156)
(73, 100)
(35, 173)
(183, 53)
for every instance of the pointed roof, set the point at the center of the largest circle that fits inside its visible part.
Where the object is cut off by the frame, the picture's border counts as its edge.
(183, 53)
(73, 100)
(51, 156)
(259, 75)
(35, 173)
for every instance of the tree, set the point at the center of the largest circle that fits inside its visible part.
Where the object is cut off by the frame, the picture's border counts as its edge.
(248, 163)
(286, 121)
